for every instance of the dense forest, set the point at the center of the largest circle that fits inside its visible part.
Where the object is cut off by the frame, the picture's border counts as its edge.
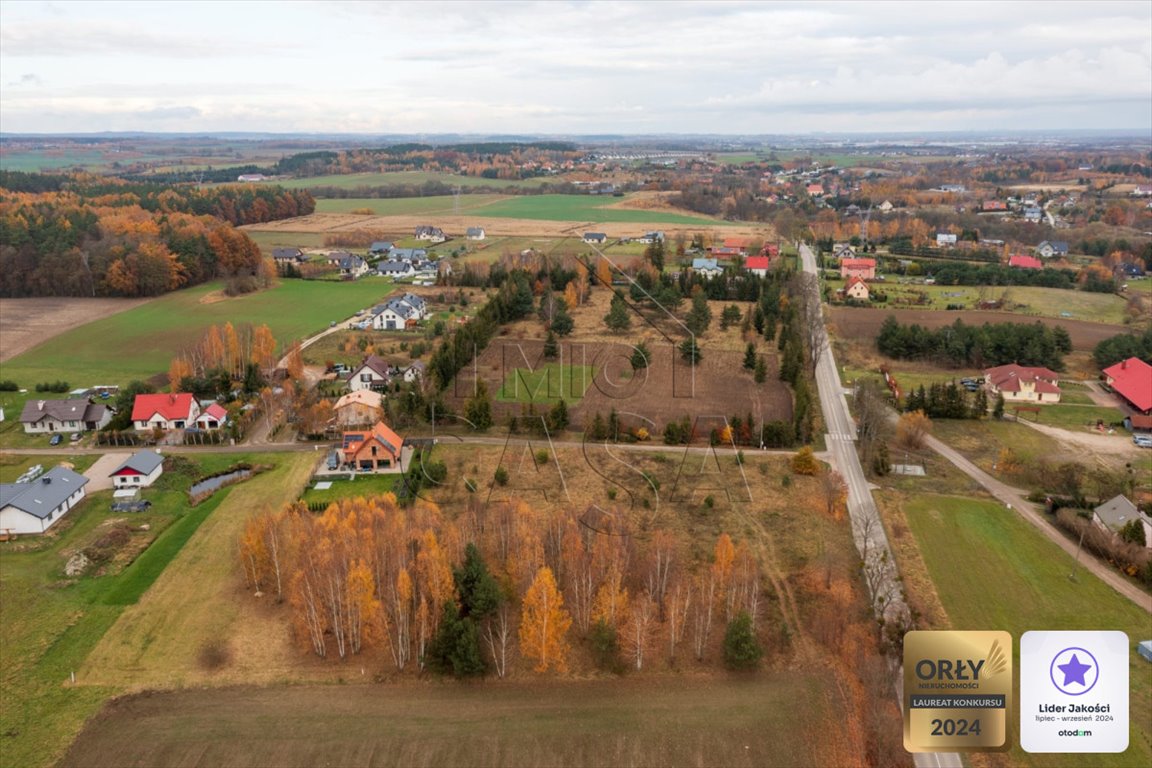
(982, 346)
(90, 236)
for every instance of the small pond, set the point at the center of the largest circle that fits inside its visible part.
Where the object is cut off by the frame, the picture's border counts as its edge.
(212, 484)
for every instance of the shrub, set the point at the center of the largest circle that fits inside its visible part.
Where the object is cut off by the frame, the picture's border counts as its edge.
(742, 650)
(52, 386)
(501, 476)
(542, 456)
(804, 462)
(7, 385)
(605, 647)
(611, 494)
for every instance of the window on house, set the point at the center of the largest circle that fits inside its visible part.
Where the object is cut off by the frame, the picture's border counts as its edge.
(365, 377)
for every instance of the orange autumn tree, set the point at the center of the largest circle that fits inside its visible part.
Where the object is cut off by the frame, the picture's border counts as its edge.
(544, 624)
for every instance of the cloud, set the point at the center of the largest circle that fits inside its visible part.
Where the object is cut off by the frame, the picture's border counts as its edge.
(169, 113)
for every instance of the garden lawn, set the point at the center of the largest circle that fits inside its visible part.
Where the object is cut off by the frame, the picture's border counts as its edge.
(546, 384)
(366, 485)
(141, 342)
(592, 208)
(993, 571)
(1074, 417)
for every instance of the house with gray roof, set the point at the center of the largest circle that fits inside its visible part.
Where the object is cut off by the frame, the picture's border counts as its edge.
(288, 256)
(475, 233)
(595, 238)
(430, 233)
(42, 417)
(140, 470)
(352, 267)
(407, 254)
(380, 247)
(36, 505)
(1118, 512)
(396, 268)
(1051, 248)
(707, 268)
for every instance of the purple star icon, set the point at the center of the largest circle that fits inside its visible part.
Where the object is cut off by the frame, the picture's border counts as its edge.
(1074, 671)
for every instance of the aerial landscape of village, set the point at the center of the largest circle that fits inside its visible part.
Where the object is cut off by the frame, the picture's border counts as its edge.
(572, 403)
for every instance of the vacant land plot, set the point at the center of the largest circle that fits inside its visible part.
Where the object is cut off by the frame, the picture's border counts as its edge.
(24, 323)
(354, 180)
(991, 569)
(597, 723)
(548, 384)
(856, 323)
(584, 208)
(141, 342)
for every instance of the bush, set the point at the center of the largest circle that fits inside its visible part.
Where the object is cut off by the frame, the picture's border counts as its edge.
(804, 462)
(501, 476)
(214, 654)
(542, 456)
(742, 650)
(7, 385)
(52, 386)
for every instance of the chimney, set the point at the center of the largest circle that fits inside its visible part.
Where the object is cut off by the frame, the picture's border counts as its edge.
(1124, 364)
(172, 398)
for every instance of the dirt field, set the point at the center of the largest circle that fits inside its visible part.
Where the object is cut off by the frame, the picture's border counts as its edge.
(343, 222)
(857, 323)
(24, 323)
(730, 721)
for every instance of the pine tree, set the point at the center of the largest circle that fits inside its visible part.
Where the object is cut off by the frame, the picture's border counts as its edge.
(477, 589)
(998, 408)
(741, 648)
(562, 322)
(478, 408)
(700, 316)
(551, 348)
(558, 416)
(750, 357)
(761, 373)
(640, 356)
(618, 318)
(690, 351)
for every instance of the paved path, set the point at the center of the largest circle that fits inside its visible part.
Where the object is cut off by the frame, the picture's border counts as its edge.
(1014, 498)
(99, 473)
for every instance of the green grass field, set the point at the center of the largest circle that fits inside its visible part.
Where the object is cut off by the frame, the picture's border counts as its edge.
(583, 208)
(366, 485)
(142, 342)
(992, 571)
(353, 180)
(547, 384)
(1073, 417)
(52, 161)
(403, 206)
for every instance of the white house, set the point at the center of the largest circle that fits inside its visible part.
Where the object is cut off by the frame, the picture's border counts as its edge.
(1051, 248)
(945, 240)
(73, 415)
(857, 289)
(396, 269)
(212, 417)
(1019, 383)
(707, 268)
(1117, 512)
(595, 238)
(373, 373)
(431, 234)
(35, 506)
(414, 372)
(475, 233)
(174, 411)
(139, 471)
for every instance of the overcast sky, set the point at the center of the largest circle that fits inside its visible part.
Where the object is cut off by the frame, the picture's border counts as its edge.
(574, 67)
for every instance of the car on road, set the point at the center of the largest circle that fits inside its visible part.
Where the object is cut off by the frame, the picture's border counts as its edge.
(76, 437)
(55, 440)
(1144, 441)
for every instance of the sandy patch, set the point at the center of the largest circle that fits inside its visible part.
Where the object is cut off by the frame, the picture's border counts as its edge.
(24, 323)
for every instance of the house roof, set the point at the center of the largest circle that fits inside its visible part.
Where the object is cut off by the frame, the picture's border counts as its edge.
(595, 236)
(735, 242)
(214, 411)
(41, 496)
(381, 433)
(1025, 372)
(76, 409)
(143, 463)
(350, 262)
(360, 397)
(705, 264)
(376, 364)
(1132, 378)
(286, 253)
(396, 266)
(854, 281)
(757, 262)
(1025, 262)
(380, 245)
(474, 231)
(858, 263)
(177, 405)
(1057, 246)
(1117, 511)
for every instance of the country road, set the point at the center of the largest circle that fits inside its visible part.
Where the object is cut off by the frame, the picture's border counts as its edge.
(867, 529)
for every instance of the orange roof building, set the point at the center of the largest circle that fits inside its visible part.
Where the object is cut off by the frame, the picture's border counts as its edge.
(378, 448)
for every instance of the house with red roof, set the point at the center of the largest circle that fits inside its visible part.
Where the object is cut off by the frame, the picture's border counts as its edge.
(726, 252)
(378, 448)
(757, 265)
(815, 190)
(213, 417)
(1025, 262)
(1131, 379)
(166, 411)
(865, 269)
(1018, 383)
(856, 289)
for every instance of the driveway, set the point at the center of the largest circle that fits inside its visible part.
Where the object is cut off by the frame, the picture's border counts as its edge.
(98, 473)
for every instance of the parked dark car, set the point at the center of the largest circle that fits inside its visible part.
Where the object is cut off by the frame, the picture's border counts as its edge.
(55, 440)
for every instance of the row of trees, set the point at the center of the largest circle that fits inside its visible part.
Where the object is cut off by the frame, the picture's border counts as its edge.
(991, 344)
(468, 596)
(949, 401)
(1123, 346)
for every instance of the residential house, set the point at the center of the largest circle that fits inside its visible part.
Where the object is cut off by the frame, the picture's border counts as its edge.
(993, 206)
(373, 373)
(396, 269)
(595, 238)
(885, 207)
(757, 265)
(1025, 262)
(864, 268)
(414, 372)
(380, 248)
(1126, 270)
(475, 233)
(1131, 379)
(335, 257)
(955, 188)
(288, 256)
(1019, 383)
(407, 254)
(726, 252)
(172, 411)
(73, 415)
(1049, 249)
(140, 470)
(352, 267)
(1142, 190)
(378, 448)
(945, 240)
(362, 406)
(843, 251)
(430, 233)
(1114, 514)
(856, 289)
(214, 416)
(707, 268)
(36, 505)
(394, 316)
(1033, 214)
(771, 250)
(814, 190)
(651, 237)
(250, 177)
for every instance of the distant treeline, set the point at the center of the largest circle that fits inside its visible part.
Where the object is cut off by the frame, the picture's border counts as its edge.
(992, 344)
(90, 236)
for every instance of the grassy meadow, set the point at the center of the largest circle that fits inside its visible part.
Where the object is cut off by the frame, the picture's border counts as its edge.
(404, 206)
(583, 208)
(142, 341)
(992, 571)
(354, 180)
(546, 384)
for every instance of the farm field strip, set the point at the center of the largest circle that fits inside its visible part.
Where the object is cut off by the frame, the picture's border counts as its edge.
(991, 570)
(354, 180)
(403, 206)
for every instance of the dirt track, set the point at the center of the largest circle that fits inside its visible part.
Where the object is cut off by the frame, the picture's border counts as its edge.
(860, 323)
(24, 323)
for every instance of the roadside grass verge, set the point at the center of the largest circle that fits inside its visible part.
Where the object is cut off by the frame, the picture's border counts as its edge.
(993, 571)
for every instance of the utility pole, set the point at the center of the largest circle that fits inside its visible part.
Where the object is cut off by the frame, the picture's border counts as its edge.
(1076, 561)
